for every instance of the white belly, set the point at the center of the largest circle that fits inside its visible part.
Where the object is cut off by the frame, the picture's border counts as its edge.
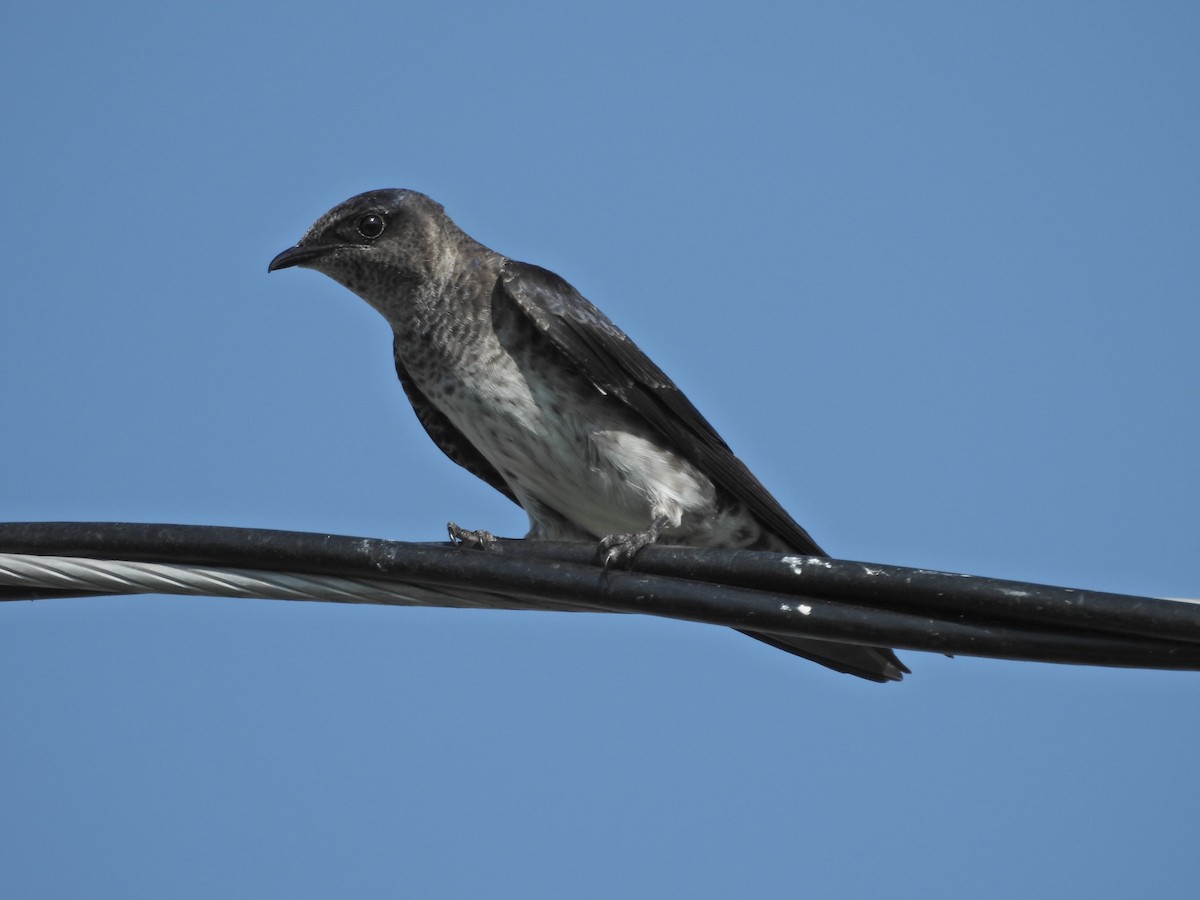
(591, 461)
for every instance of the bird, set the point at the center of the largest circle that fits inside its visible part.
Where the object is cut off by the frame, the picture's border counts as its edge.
(526, 384)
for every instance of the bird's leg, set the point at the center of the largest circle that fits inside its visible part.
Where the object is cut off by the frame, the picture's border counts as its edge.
(622, 548)
(475, 540)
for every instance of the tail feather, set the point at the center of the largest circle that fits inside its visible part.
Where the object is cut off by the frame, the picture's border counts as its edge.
(877, 664)
(873, 663)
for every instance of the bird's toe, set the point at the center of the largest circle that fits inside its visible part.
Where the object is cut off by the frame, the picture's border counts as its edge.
(620, 549)
(474, 540)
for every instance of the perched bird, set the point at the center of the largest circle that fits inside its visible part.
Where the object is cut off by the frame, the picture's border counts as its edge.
(527, 385)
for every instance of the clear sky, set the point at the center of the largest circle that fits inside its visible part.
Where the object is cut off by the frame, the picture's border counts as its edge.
(931, 269)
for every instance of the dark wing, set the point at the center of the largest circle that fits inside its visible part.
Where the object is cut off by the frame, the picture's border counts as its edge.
(448, 438)
(615, 364)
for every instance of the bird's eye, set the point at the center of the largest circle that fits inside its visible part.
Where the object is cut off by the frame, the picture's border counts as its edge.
(371, 225)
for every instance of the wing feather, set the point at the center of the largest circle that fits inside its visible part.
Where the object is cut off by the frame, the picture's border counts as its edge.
(617, 366)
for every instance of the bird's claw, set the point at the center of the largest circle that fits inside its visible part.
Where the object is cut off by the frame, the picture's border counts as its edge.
(620, 549)
(473, 540)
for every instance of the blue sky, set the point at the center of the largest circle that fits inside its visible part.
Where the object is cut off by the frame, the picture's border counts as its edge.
(930, 268)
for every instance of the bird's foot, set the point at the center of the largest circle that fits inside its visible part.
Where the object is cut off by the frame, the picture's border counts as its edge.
(472, 540)
(620, 549)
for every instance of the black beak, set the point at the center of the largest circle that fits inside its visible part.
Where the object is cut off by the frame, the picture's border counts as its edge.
(299, 255)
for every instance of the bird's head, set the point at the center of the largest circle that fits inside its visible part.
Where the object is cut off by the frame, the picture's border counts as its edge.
(382, 245)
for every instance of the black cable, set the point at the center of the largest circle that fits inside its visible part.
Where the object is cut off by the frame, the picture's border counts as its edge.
(827, 599)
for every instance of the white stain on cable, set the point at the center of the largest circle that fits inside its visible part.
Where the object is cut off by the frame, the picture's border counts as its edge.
(795, 563)
(803, 608)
